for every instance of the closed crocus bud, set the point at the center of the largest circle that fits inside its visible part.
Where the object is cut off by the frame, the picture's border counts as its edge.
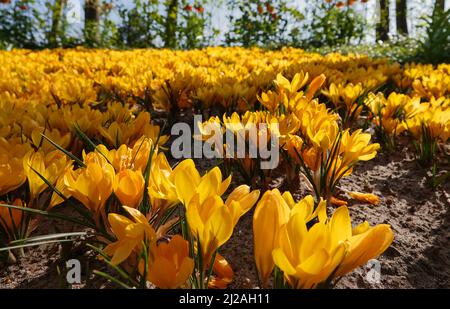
(56, 199)
(240, 201)
(141, 151)
(222, 273)
(161, 189)
(129, 187)
(270, 214)
(211, 222)
(315, 85)
(171, 265)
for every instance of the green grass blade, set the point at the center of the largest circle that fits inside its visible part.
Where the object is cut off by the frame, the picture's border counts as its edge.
(67, 153)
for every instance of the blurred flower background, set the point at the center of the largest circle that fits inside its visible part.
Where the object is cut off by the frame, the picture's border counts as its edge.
(395, 26)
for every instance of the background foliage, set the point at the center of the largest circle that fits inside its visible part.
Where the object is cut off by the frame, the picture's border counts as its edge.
(324, 26)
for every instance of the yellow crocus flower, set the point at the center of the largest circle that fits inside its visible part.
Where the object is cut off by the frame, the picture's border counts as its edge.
(91, 185)
(305, 256)
(363, 242)
(271, 213)
(293, 145)
(210, 222)
(161, 189)
(129, 233)
(12, 174)
(188, 182)
(271, 100)
(222, 273)
(291, 88)
(170, 265)
(61, 139)
(50, 166)
(129, 187)
(315, 85)
(309, 257)
(240, 201)
(125, 157)
(355, 147)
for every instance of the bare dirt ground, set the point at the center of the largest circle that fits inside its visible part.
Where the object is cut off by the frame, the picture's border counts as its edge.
(418, 214)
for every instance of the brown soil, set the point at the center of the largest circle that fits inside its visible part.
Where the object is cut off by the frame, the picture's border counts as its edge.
(418, 214)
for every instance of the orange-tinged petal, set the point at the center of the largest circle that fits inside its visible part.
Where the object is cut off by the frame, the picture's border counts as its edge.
(337, 202)
(122, 252)
(365, 197)
(162, 273)
(315, 84)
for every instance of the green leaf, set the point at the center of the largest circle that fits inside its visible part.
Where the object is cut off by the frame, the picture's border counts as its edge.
(81, 211)
(48, 214)
(67, 153)
(88, 141)
(110, 278)
(34, 244)
(119, 270)
(47, 237)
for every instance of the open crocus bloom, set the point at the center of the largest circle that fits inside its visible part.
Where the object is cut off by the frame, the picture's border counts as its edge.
(91, 185)
(188, 182)
(272, 213)
(329, 249)
(129, 233)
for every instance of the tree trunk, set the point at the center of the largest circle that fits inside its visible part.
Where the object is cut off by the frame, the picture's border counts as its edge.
(439, 6)
(382, 28)
(56, 22)
(91, 22)
(402, 25)
(170, 40)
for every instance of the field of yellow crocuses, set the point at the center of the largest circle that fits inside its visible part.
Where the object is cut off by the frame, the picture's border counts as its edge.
(337, 174)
